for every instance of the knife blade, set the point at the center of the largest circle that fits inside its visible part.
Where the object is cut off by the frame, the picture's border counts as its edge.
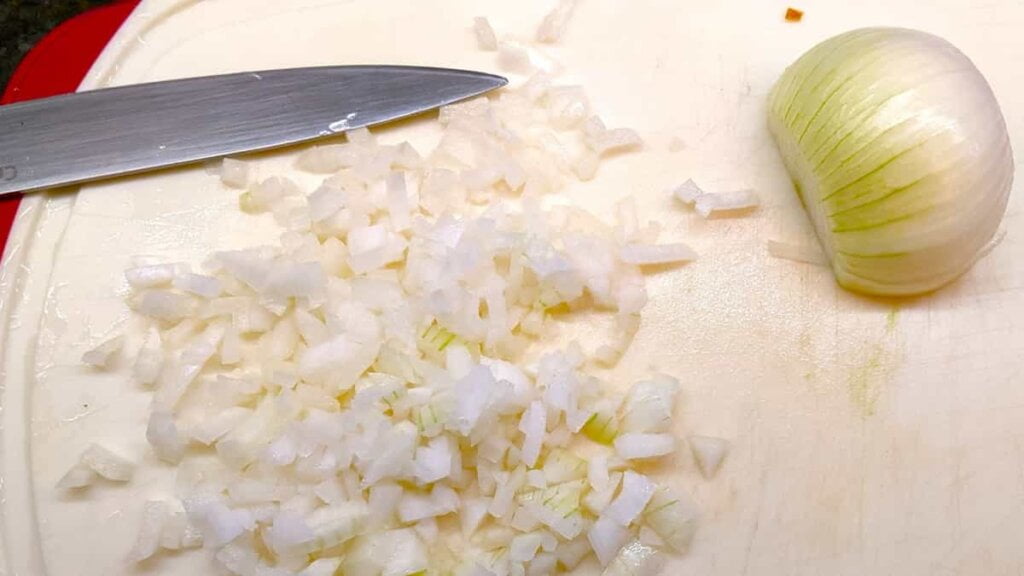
(97, 134)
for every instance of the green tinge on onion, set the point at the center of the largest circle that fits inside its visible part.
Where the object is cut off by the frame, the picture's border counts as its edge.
(601, 428)
(900, 154)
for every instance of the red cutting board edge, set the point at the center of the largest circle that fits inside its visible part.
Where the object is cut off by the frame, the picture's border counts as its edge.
(56, 65)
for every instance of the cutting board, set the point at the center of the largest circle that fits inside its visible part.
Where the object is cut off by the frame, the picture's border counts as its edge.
(869, 437)
(56, 65)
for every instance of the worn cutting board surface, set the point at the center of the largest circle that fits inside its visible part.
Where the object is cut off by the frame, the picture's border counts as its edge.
(869, 437)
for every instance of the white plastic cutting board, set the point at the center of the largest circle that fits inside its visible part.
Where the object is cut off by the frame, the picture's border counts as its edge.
(870, 438)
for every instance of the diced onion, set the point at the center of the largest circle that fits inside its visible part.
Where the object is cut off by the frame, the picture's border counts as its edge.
(162, 434)
(707, 204)
(152, 275)
(103, 354)
(554, 24)
(361, 381)
(635, 559)
(639, 446)
(650, 404)
(167, 306)
(524, 547)
(607, 537)
(673, 517)
(78, 476)
(721, 202)
(147, 542)
(322, 567)
(644, 254)
(709, 452)
(603, 140)
(434, 461)
(485, 37)
(198, 284)
(533, 426)
(688, 192)
(234, 173)
(514, 57)
(107, 464)
(635, 494)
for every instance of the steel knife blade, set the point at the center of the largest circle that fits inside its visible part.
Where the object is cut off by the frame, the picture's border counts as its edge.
(98, 134)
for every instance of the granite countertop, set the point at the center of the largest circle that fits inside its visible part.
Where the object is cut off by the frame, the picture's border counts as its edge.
(24, 22)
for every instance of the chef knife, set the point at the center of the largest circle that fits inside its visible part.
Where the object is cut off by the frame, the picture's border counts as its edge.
(109, 132)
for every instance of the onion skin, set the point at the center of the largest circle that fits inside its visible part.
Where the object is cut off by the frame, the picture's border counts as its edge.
(900, 154)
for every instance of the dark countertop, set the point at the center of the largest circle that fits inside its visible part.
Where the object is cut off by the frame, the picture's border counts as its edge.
(24, 22)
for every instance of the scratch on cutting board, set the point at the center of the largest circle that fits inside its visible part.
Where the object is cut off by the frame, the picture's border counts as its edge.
(892, 319)
(875, 368)
(866, 380)
(805, 347)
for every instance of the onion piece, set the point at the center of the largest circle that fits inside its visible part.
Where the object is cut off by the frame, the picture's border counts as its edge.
(485, 37)
(268, 193)
(636, 492)
(147, 543)
(688, 192)
(636, 559)
(673, 516)
(601, 428)
(597, 500)
(650, 404)
(514, 57)
(597, 472)
(220, 525)
(237, 559)
(543, 564)
(234, 173)
(554, 24)
(563, 466)
(162, 434)
(533, 425)
(107, 464)
(198, 284)
(372, 247)
(709, 452)
(78, 476)
(603, 140)
(210, 430)
(289, 534)
(322, 567)
(152, 275)
(641, 446)
(337, 524)
(434, 461)
(177, 532)
(607, 537)
(524, 547)
(571, 553)
(406, 554)
(163, 305)
(325, 202)
(150, 359)
(726, 202)
(558, 508)
(102, 355)
(471, 515)
(646, 254)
